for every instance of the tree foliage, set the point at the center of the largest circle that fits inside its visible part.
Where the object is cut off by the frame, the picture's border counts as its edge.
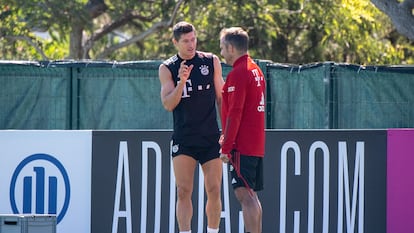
(286, 31)
(86, 28)
(302, 31)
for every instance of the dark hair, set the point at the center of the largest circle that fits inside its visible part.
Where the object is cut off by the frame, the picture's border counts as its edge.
(182, 28)
(236, 37)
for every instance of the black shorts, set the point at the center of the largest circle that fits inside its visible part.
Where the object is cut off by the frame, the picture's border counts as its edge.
(251, 172)
(201, 154)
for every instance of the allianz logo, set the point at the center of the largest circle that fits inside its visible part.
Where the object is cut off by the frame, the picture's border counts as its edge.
(40, 185)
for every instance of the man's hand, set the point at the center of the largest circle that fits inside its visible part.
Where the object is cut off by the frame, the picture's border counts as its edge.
(225, 158)
(221, 139)
(184, 71)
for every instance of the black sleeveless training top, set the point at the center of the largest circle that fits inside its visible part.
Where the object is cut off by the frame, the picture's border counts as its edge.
(195, 122)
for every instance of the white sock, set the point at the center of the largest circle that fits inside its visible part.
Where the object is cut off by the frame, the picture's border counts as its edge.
(211, 230)
(185, 231)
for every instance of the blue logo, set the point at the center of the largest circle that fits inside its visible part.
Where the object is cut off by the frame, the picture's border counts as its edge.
(39, 191)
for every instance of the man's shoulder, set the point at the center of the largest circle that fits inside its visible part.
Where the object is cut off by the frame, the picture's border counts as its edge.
(203, 55)
(172, 60)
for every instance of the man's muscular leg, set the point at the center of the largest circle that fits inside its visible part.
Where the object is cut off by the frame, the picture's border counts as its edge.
(213, 171)
(184, 167)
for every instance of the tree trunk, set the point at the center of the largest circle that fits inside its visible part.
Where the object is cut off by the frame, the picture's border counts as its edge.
(401, 15)
(75, 50)
(93, 8)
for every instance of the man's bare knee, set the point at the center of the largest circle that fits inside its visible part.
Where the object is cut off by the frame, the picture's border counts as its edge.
(183, 192)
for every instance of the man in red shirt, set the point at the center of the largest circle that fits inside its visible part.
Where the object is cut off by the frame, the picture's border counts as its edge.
(243, 124)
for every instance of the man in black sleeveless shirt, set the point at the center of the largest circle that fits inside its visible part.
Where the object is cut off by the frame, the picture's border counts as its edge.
(191, 84)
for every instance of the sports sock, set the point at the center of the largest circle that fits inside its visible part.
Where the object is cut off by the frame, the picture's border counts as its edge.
(211, 230)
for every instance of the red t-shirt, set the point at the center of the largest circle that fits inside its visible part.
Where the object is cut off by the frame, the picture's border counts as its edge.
(243, 109)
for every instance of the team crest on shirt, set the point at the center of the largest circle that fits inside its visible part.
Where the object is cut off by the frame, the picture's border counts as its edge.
(204, 70)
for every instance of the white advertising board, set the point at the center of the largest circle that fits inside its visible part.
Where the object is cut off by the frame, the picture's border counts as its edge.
(47, 172)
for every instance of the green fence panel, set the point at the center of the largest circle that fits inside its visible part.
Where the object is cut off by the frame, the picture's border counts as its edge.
(125, 96)
(33, 96)
(298, 96)
(373, 97)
